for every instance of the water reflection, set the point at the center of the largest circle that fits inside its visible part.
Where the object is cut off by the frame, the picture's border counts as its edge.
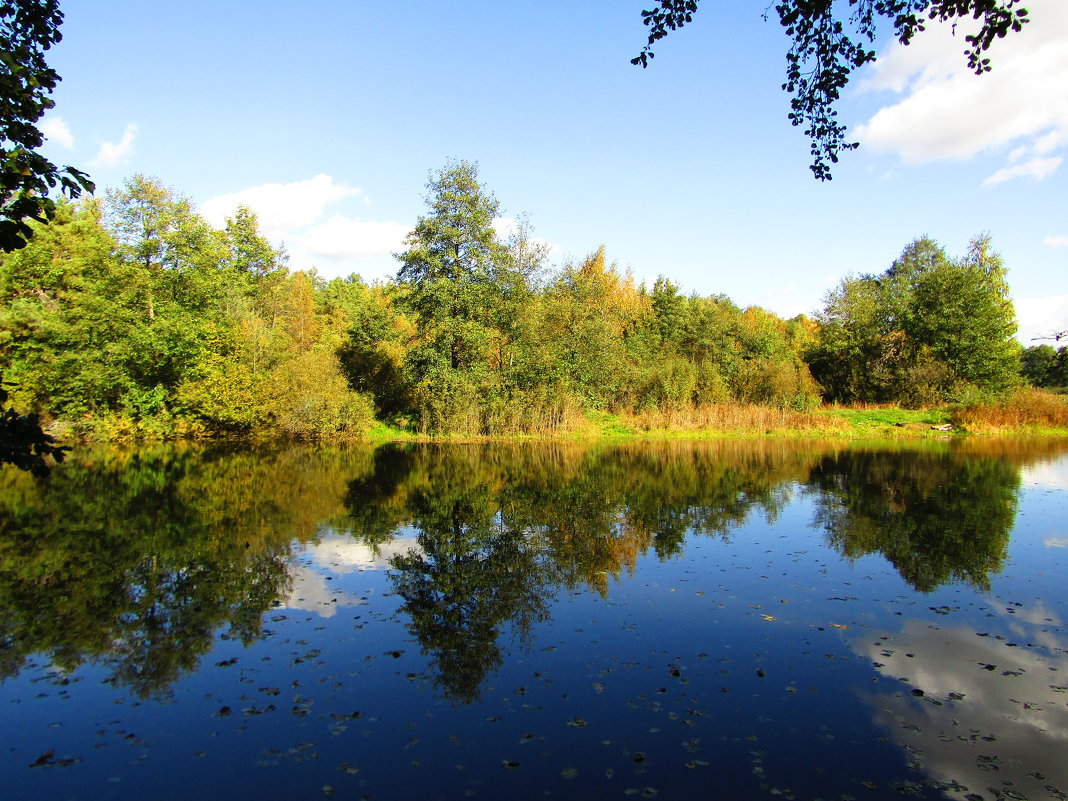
(138, 559)
(936, 517)
(986, 711)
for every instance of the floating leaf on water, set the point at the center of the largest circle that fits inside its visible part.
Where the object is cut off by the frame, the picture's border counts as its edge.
(577, 723)
(510, 764)
(569, 773)
(839, 626)
(44, 759)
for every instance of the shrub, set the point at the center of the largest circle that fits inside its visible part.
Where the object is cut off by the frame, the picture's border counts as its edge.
(1024, 408)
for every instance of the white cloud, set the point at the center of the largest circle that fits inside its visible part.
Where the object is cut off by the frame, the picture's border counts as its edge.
(1056, 241)
(947, 112)
(352, 238)
(507, 227)
(1035, 168)
(1039, 317)
(1055, 542)
(281, 208)
(1049, 142)
(112, 154)
(55, 129)
(295, 214)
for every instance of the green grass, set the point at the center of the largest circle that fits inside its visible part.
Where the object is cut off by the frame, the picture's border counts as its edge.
(382, 431)
(607, 425)
(883, 424)
(891, 417)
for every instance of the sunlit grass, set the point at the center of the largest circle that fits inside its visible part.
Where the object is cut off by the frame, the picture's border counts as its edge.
(882, 417)
(1031, 410)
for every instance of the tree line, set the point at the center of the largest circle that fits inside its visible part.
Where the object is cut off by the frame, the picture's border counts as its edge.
(131, 315)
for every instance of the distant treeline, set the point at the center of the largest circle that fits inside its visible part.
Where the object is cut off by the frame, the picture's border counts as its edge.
(133, 316)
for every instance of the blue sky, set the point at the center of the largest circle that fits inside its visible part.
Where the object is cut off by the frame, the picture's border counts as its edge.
(327, 118)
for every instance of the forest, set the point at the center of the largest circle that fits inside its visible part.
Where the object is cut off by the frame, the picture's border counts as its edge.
(131, 316)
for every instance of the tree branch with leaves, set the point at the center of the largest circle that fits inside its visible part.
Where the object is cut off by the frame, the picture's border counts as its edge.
(827, 46)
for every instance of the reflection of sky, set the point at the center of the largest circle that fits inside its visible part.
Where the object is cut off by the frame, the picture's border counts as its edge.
(993, 714)
(315, 569)
(1050, 475)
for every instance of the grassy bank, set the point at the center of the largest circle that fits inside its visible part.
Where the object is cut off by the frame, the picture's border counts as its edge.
(1023, 413)
(1026, 412)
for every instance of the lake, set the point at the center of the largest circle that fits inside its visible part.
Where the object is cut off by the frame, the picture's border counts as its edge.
(718, 619)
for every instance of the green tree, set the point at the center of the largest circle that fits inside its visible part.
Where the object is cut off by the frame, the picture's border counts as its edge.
(28, 29)
(249, 250)
(459, 282)
(1037, 364)
(922, 331)
(826, 46)
(963, 313)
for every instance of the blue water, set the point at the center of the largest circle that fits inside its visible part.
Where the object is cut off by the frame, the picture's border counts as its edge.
(753, 661)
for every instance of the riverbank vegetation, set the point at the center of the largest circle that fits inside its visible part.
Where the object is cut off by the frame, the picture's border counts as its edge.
(130, 316)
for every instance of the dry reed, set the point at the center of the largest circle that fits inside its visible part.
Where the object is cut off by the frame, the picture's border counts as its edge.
(1023, 409)
(733, 418)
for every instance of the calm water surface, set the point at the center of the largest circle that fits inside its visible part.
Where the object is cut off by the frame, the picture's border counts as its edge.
(712, 620)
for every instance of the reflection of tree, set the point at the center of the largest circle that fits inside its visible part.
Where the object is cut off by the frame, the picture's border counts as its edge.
(473, 573)
(375, 501)
(500, 527)
(136, 560)
(936, 516)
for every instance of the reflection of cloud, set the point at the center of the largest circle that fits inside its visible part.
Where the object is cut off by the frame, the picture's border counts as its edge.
(1055, 542)
(311, 592)
(993, 710)
(1049, 475)
(336, 555)
(341, 554)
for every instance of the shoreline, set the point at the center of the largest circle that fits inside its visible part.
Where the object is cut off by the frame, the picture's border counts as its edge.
(845, 425)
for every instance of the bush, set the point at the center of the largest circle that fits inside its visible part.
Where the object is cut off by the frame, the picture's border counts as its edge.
(1024, 408)
(313, 399)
